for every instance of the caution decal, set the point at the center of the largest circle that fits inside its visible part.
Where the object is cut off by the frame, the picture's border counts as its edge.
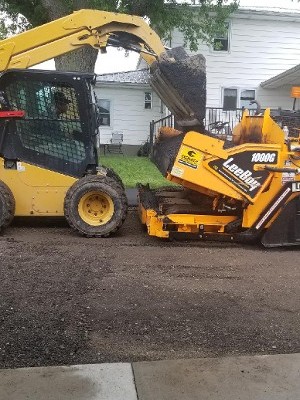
(190, 157)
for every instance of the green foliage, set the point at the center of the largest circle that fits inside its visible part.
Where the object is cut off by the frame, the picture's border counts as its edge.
(197, 20)
(23, 14)
(3, 29)
(15, 23)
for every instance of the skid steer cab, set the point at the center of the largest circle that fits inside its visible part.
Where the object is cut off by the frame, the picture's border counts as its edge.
(48, 158)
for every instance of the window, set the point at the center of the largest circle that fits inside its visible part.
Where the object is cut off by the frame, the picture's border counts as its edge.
(51, 119)
(104, 111)
(246, 97)
(148, 100)
(234, 98)
(221, 41)
(229, 99)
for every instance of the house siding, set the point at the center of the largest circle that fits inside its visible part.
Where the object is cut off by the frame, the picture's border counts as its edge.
(259, 49)
(128, 113)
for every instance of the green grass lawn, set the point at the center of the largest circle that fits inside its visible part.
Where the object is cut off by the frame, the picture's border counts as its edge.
(133, 170)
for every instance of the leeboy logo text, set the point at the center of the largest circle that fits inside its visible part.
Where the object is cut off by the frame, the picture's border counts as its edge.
(244, 175)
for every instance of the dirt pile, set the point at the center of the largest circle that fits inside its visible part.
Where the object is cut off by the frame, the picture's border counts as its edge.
(180, 81)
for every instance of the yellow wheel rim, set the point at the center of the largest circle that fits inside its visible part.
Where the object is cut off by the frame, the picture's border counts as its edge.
(96, 208)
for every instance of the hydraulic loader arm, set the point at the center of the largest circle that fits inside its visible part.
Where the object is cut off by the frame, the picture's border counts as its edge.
(85, 27)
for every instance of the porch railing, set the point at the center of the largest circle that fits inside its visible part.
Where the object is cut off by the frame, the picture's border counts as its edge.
(219, 121)
(231, 117)
(214, 118)
(155, 125)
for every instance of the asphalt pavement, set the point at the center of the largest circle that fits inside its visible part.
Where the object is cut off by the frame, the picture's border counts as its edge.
(134, 317)
(132, 197)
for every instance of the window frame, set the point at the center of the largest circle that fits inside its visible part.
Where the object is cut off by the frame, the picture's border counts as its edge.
(239, 91)
(223, 98)
(222, 51)
(240, 99)
(110, 111)
(147, 101)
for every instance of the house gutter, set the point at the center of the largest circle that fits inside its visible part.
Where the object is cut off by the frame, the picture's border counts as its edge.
(123, 84)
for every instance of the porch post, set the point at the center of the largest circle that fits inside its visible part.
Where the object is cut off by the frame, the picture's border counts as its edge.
(151, 137)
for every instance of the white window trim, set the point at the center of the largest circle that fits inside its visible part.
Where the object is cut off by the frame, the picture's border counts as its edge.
(229, 42)
(109, 127)
(148, 91)
(239, 91)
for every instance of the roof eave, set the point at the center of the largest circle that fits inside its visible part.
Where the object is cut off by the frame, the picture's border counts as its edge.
(281, 79)
(122, 84)
(267, 14)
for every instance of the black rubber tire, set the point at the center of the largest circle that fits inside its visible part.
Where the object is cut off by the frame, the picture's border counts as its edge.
(7, 205)
(101, 184)
(112, 174)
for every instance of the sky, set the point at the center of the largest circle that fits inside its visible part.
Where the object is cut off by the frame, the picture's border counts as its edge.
(116, 60)
(113, 61)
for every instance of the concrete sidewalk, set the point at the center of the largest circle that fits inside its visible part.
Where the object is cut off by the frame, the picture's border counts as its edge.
(245, 378)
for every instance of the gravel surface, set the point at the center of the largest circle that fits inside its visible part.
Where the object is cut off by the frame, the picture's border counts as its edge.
(70, 300)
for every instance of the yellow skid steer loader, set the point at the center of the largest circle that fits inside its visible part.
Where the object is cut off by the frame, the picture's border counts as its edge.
(49, 121)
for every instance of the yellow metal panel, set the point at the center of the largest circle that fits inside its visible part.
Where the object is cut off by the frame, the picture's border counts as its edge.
(186, 223)
(253, 211)
(47, 201)
(198, 174)
(257, 129)
(206, 144)
(278, 180)
(6, 50)
(84, 27)
(272, 133)
(37, 191)
(192, 165)
(50, 50)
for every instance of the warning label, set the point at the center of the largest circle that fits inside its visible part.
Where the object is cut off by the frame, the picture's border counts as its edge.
(190, 157)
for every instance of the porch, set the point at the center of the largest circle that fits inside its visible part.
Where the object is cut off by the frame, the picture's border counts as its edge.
(217, 121)
(221, 122)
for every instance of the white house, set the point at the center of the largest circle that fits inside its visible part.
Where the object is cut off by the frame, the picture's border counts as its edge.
(258, 59)
(127, 105)
(260, 45)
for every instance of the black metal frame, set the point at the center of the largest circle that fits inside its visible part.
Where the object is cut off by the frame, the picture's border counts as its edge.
(12, 147)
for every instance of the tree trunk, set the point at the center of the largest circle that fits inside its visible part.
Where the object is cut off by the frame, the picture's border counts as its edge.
(55, 8)
(82, 59)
